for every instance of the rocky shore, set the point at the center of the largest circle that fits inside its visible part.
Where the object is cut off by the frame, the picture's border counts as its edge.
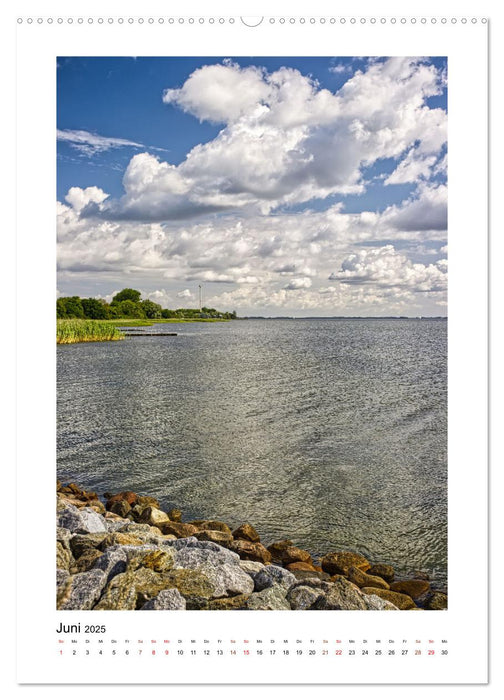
(128, 554)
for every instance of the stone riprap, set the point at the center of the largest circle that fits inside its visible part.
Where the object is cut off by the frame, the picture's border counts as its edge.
(126, 553)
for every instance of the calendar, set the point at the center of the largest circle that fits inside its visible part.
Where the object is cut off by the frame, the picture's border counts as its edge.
(270, 242)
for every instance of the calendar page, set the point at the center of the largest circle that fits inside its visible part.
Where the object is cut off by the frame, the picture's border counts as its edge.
(258, 446)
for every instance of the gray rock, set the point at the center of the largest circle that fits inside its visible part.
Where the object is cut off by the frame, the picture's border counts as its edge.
(192, 557)
(227, 579)
(340, 595)
(188, 542)
(112, 563)
(169, 599)
(81, 521)
(302, 597)
(311, 575)
(84, 590)
(61, 577)
(250, 567)
(63, 535)
(374, 602)
(273, 575)
(272, 598)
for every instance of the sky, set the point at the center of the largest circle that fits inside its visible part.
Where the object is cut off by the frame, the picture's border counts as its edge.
(283, 186)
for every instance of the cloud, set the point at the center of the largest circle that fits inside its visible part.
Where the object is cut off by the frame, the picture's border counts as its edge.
(286, 140)
(426, 211)
(185, 294)
(385, 267)
(89, 144)
(299, 283)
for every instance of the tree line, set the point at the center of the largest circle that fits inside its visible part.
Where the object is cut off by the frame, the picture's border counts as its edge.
(128, 304)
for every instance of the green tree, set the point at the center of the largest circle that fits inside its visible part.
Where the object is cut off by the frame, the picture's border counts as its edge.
(72, 307)
(94, 308)
(127, 294)
(151, 309)
(129, 309)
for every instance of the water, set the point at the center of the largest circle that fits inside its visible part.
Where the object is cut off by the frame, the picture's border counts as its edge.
(329, 432)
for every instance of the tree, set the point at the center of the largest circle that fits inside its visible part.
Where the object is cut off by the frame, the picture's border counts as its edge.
(70, 306)
(151, 309)
(94, 308)
(127, 294)
(129, 309)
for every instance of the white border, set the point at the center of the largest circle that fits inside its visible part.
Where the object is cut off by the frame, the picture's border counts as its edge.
(38, 45)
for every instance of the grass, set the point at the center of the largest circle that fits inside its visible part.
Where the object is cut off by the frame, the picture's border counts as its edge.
(75, 330)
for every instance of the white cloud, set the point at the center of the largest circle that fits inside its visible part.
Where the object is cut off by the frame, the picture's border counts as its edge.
(299, 283)
(286, 140)
(185, 294)
(412, 168)
(89, 144)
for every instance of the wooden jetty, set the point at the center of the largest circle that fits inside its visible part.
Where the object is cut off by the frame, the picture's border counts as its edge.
(140, 335)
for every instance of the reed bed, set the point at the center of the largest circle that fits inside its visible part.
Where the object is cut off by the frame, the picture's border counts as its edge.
(74, 330)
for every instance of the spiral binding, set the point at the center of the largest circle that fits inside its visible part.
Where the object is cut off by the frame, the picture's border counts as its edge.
(243, 20)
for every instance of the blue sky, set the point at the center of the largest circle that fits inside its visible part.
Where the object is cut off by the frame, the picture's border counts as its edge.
(303, 186)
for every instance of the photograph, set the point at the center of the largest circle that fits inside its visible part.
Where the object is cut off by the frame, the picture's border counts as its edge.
(252, 323)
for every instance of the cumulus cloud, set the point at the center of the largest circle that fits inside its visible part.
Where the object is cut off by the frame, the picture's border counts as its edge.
(299, 283)
(385, 267)
(286, 140)
(88, 144)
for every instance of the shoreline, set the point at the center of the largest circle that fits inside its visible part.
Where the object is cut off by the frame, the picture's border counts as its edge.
(122, 552)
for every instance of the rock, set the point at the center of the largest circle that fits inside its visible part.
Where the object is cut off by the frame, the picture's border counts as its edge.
(419, 575)
(64, 557)
(82, 590)
(272, 598)
(121, 508)
(384, 571)
(63, 535)
(157, 560)
(250, 567)
(112, 563)
(80, 543)
(193, 557)
(144, 501)
(273, 576)
(246, 532)
(294, 554)
(300, 566)
(438, 601)
(115, 538)
(179, 529)
(362, 579)
(237, 602)
(144, 532)
(277, 548)
(253, 551)
(175, 515)
(401, 601)
(86, 561)
(189, 583)
(128, 496)
(97, 506)
(81, 521)
(155, 517)
(217, 536)
(411, 587)
(310, 575)
(340, 562)
(215, 525)
(167, 599)
(340, 595)
(227, 580)
(373, 602)
(302, 597)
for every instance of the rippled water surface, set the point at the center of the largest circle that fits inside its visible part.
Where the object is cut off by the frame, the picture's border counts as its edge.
(329, 432)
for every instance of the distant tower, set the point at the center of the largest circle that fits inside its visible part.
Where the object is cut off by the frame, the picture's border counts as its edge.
(200, 305)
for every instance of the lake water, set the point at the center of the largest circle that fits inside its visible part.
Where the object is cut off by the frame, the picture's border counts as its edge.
(332, 433)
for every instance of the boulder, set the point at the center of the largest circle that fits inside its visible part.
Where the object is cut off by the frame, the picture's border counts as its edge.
(181, 530)
(157, 560)
(82, 590)
(401, 601)
(413, 588)
(80, 543)
(215, 525)
(276, 549)
(112, 563)
(85, 561)
(340, 594)
(300, 566)
(438, 601)
(310, 575)
(362, 579)
(154, 517)
(384, 571)
(253, 551)
(341, 562)
(175, 515)
(167, 599)
(303, 597)
(227, 580)
(293, 554)
(81, 521)
(189, 583)
(121, 508)
(217, 536)
(272, 598)
(246, 532)
(193, 557)
(144, 501)
(64, 558)
(127, 496)
(250, 567)
(273, 576)
(373, 602)
(236, 602)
